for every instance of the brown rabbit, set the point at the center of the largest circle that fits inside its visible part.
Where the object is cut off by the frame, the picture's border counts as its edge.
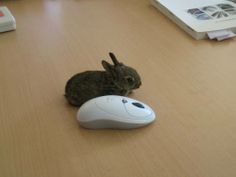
(117, 79)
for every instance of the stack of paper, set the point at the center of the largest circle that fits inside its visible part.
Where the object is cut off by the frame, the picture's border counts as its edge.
(7, 21)
(215, 19)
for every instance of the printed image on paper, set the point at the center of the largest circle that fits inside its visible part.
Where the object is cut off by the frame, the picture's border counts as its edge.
(217, 11)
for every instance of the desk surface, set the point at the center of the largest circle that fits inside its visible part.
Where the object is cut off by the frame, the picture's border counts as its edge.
(190, 84)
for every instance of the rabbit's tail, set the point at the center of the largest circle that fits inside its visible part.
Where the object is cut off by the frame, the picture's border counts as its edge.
(72, 101)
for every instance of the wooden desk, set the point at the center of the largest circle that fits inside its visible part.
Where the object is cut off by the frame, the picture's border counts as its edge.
(190, 84)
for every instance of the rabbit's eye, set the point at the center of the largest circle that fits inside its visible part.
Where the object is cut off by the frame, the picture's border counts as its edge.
(130, 80)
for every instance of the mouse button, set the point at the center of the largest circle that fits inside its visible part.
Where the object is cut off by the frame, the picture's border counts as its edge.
(137, 111)
(113, 107)
(107, 99)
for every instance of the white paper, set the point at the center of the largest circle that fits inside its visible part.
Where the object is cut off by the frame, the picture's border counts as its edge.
(231, 35)
(220, 34)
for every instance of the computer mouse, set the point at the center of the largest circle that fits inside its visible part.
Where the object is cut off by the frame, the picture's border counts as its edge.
(114, 112)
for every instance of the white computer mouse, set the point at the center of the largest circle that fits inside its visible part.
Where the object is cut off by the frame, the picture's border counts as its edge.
(116, 112)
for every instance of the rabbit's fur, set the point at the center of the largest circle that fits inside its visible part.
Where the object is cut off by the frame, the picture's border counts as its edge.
(117, 79)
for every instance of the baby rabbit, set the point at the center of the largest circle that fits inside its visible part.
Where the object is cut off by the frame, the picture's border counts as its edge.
(117, 79)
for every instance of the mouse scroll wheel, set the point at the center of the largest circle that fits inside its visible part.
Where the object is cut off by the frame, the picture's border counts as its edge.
(139, 105)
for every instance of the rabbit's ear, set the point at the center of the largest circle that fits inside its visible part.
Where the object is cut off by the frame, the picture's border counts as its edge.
(108, 67)
(114, 59)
